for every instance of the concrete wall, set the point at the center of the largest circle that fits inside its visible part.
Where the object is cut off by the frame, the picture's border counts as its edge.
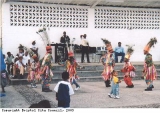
(15, 35)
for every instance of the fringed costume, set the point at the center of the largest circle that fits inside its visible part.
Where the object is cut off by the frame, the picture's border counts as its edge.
(149, 70)
(128, 69)
(34, 72)
(108, 62)
(46, 69)
(71, 66)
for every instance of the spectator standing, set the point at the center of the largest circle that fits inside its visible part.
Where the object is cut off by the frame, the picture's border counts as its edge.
(85, 48)
(65, 40)
(63, 91)
(9, 62)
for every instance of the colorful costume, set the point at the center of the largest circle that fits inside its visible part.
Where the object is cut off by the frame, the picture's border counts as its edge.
(128, 69)
(34, 70)
(46, 69)
(149, 71)
(71, 66)
(108, 62)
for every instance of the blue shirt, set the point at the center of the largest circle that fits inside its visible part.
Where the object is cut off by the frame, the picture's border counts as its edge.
(3, 65)
(119, 49)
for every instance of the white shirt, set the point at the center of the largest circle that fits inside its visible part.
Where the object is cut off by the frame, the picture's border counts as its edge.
(34, 47)
(71, 92)
(84, 42)
(25, 59)
(19, 64)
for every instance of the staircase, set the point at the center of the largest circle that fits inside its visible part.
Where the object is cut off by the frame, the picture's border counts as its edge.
(91, 72)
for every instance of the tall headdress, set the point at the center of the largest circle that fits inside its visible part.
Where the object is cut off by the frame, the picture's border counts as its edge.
(130, 50)
(44, 36)
(150, 44)
(108, 45)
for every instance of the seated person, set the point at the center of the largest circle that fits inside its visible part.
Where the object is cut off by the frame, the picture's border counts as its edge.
(21, 51)
(18, 68)
(119, 51)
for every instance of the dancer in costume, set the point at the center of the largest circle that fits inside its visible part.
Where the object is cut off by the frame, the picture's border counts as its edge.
(149, 70)
(128, 69)
(33, 74)
(46, 69)
(108, 62)
(71, 68)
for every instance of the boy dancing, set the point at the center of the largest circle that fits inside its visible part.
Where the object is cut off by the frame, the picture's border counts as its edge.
(149, 70)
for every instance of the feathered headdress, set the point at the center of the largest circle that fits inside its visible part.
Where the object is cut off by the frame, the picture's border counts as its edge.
(44, 36)
(130, 50)
(150, 44)
(105, 41)
(108, 45)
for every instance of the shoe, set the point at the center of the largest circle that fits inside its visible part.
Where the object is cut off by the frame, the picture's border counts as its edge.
(77, 88)
(46, 90)
(148, 89)
(110, 95)
(117, 97)
(3, 91)
(108, 85)
(35, 86)
(152, 86)
(14, 77)
(89, 62)
(130, 86)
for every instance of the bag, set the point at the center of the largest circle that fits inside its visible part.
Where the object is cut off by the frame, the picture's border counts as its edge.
(132, 74)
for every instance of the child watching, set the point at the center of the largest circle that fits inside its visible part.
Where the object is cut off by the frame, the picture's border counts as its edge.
(115, 86)
(63, 91)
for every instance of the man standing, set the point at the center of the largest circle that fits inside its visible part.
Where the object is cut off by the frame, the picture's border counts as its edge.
(34, 48)
(149, 70)
(119, 51)
(66, 40)
(85, 48)
(9, 62)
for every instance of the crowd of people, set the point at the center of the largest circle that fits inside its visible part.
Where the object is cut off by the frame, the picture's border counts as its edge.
(42, 69)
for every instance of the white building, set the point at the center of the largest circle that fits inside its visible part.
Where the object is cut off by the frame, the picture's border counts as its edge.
(126, 21)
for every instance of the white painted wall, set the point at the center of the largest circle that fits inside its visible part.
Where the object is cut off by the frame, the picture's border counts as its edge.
(13, 36)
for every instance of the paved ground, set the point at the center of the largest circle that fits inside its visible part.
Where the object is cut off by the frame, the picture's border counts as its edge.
(91, 95)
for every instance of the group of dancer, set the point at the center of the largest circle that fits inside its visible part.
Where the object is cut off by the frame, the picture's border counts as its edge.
(110, 75)
(43, 70)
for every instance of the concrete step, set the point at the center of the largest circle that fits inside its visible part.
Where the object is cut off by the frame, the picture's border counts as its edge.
(91, 72)
(82, 79)
(84, 73)
(99, 66)
(57, 74)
